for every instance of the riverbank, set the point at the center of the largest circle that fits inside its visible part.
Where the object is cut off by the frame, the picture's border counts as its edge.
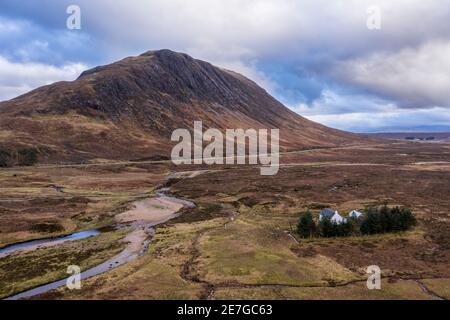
(143, 217)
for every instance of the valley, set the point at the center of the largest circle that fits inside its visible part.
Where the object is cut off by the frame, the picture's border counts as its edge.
(239, 242)
(86, 172)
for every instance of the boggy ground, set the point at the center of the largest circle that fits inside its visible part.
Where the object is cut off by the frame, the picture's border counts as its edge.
(240, 241)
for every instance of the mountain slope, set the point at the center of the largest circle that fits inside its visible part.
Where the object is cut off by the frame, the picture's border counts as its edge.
(128, 110)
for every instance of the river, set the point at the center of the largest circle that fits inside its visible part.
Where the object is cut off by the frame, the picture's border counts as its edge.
(145, 215)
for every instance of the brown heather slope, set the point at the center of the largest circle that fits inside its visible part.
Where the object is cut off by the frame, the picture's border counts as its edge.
(128, 110)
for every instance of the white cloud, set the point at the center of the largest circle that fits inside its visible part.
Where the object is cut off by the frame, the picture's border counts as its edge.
(18, 78)
(8, 27)
(254, 28)
(433, 119)
(250, 71)
(312, 35)
(402, 65)
(414, 77)
(362, 113)
(332, 103)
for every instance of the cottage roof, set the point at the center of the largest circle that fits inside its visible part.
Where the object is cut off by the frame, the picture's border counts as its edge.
(327, 213)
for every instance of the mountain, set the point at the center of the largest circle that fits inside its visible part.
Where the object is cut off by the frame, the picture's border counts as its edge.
(128, 110)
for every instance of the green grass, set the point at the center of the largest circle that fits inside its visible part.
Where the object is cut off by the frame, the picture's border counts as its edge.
(357, 291)
(251, 254)
(439, 286)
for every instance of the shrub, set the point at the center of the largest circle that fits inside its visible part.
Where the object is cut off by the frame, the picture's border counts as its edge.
(27, 157)
(4, 158)
(306, 227)
(406, 219)
(346, 229)
(47, 227)
(328, 228)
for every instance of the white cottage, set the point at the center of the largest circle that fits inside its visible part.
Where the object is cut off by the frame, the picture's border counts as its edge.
(334, 216)
(355, 214)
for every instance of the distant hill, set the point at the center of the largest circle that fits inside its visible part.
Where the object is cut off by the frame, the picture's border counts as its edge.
(424, 136)
(128, 110)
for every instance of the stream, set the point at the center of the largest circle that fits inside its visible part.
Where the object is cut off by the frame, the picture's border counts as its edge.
(35, 244)
(138, 239)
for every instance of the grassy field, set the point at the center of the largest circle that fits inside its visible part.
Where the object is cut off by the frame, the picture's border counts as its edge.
(240, 240)
(358, 291)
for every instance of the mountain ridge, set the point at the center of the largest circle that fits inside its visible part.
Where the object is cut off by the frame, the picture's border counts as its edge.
(129, 108)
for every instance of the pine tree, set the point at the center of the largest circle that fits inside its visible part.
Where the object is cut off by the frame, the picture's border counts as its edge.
(385, 219)
(346, 228)
(396, 219)
(327, 228)
(407, 219)
(372, 224)
(306, 227)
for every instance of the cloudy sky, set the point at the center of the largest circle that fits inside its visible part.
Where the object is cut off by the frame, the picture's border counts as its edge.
(316, 56)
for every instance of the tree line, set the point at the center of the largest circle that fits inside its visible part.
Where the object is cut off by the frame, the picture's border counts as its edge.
(376, 220)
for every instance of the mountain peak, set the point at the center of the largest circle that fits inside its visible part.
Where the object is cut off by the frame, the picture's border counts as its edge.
(139, 101)
(163, 56)
(166, 53)
(170, 73)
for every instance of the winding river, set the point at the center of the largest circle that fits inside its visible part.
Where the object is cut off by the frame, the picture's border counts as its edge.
(35, 244)
(145, 215)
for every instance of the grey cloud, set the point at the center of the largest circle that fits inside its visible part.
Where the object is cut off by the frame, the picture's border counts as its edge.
(434, 119)
(326, 40)
(413, 77)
